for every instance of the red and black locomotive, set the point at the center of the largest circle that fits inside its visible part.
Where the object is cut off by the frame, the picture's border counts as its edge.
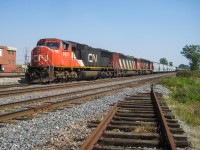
(55, 59)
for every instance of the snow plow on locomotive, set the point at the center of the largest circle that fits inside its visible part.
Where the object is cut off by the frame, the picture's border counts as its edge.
(59, 60)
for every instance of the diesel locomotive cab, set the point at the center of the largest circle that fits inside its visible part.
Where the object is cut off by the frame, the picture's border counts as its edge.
(52, 59)
(41, 60)
(43, 52)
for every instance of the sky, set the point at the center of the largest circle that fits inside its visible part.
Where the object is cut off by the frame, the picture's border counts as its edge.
(149, 29)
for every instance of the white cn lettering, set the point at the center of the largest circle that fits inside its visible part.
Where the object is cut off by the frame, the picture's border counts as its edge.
(92, 58)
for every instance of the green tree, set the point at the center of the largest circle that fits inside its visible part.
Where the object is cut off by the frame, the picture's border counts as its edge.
(163, 61)
(192, 53)
(183, 66)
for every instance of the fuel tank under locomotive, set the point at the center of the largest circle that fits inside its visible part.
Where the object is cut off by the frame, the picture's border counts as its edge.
(48, 74)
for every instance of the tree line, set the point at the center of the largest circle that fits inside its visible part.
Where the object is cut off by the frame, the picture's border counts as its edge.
(192, 53)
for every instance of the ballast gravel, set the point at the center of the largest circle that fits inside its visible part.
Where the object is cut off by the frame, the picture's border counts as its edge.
(65, 128)
(8, 81)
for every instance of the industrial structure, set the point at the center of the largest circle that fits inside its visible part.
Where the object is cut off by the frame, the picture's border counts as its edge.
(7, 59)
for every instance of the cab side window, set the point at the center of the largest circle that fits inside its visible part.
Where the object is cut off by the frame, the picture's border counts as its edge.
(65, 46)
(73, 48)
(77, 52)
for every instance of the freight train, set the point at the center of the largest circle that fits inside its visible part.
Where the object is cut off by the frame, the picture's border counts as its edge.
(59, 60)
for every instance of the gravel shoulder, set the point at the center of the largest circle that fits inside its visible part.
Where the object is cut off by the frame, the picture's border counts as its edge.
(8, 81)
(72, 121)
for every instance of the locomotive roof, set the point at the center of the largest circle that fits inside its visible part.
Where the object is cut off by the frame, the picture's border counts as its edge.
(144, 59)
(65, 41)
(75, 43)
(84, 45)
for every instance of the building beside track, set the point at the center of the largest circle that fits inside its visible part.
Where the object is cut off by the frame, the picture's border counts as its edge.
(7, 59)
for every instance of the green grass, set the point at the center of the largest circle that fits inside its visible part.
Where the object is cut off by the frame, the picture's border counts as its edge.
(189, 113)
(184, 90)
(185, 98)
(188, 74)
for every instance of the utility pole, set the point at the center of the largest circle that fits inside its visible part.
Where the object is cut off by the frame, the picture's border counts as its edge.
(26, 57)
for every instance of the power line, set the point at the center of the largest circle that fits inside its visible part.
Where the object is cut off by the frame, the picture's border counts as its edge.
(26, 60)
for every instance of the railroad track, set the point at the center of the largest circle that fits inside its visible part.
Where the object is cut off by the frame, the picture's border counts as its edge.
(51, 87)
(26, 112)
(12, 74)
(58, 96)
(138, 122)
(52, 98)
(2, 87)
(15, 92)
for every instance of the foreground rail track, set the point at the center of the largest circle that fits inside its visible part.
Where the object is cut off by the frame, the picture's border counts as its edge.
(65, 100)
(140, 121)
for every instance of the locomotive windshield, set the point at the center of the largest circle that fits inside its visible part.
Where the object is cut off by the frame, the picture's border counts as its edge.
(41, 44)
(52, 45)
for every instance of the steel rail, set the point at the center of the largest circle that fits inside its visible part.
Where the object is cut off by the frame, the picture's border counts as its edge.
(13, 85)
(12, 76)
(7, 105)
(92, 140)
(46, 98)
(67, 85)
(90, 143)
(30, 111)
(52, 87)
(164, 126)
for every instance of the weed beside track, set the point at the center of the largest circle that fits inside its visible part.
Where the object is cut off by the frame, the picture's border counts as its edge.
(184, 100)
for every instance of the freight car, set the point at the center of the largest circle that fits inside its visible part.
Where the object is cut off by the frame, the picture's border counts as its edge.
(161, 68)
(59, 60)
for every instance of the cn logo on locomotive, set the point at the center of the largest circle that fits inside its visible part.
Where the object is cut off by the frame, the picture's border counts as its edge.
(92, 58)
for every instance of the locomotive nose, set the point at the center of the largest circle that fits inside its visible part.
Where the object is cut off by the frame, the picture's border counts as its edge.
(38, 50)
(35, 55)
(40, 56)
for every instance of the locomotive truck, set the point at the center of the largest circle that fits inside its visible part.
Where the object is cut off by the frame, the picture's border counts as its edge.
(60, 60)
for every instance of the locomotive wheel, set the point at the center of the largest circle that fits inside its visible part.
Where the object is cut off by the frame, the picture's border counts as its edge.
(28, 76)
(44, 79)
(73, 75)
(44, 76)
